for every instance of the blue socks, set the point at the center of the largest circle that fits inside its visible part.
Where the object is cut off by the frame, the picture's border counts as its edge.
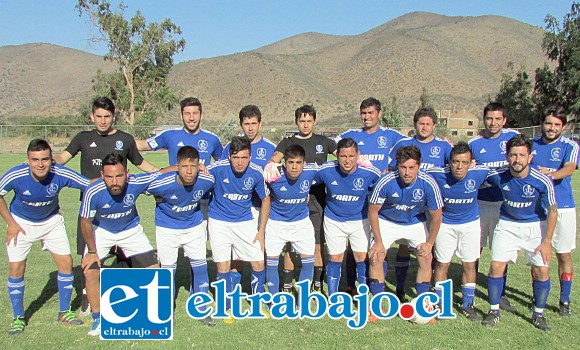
(422, 287)
(226, 277)
(494, 289)
(258, 281)
(468, 291)
(307, 272)
(565, 287)
(272, 276)
(65, 289)
(16, 294)
(541, 292)
(333, 276)
(361, 272)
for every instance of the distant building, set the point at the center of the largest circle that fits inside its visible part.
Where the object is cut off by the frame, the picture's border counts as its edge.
(462, 123)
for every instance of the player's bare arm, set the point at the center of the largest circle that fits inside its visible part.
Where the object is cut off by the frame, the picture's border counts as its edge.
(437, 217)
(264, 214)
(545, 248)
(567, 170)
(377, 252)
(13, 228)
(276, 157)
(142, 145)
(63, 158)
(89, 235)
(147, 167)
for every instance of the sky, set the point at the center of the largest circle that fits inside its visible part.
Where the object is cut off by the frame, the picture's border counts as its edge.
(220, 27)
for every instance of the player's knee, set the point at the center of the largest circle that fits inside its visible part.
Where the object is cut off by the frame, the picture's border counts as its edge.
(147, 259)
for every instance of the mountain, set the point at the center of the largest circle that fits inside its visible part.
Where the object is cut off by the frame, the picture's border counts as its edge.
(459, 60)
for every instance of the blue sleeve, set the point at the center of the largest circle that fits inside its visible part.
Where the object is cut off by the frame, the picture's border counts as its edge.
(260, 188)
(158, 141)
(218, 149)
(225, 152)
(434, 199)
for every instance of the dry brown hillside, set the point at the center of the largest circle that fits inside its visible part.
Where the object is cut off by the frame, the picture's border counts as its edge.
(458, 59)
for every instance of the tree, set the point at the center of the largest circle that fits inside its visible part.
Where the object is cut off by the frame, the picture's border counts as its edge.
(425, 99)
(144, 55)
(562, 45)
(392, 115)
(515, 95)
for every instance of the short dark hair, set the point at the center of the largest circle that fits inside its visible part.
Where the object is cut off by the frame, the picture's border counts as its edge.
(369, 102)
(346, 143)
(518, 141)
(250, 111)
(408, 152)
(494, 107)
(425, 112)
(104, 103)
(239, 144)
(113, 159)
(294, 151)
(187, 152)
(306, 109)
(556, 112)
(38, 145)
(190, 101)
(461, 148)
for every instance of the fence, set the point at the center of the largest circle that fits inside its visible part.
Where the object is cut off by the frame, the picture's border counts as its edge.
(15, 138)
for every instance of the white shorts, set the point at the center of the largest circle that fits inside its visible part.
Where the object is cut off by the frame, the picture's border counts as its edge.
(133, 241)
(235, 239)
(300, 233)
(510, 237)
(51, 233)
(338, 233)
(203, 208)
(488, 218)
(412, 235)
(564, 240)
(170, 240)
(462, 239)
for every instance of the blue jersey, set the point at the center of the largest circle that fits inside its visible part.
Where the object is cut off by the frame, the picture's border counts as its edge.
(376, 146)
(433, 153)
(232, 194)
(179, 208)
(38, 201)
(460, 197)
(346, 194)
(115, 213)
(289, 199)
(525, 199)
(405, 205)
(207, 143)
(491, 153)
(554, 156)
(262, 151)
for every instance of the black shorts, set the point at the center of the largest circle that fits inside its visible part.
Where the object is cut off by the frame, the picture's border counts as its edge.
(316, 216)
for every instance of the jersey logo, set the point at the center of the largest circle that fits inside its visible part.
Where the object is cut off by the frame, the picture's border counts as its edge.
(52, 189)
(173, 197)
(555, 153)
(502, 146)
(360, 143)
(528, 191)
(382, 141)
(506, 188)
(27, 193)
(248, 183)
(93, 145)
(319, 149)
(106, 206)
(283, 188)
(358, 184)
(417, 195)
(226, 181)
(153, 144)
(202, 144)
(446, 186)
(483, 150)
(197, 195)
(261, 153)
(180, 144)
(435, 150)
(395, 195)
(119, 145)
(304, 186)
(470, 186)
(534, 152)
(129, 199)
(334, 183)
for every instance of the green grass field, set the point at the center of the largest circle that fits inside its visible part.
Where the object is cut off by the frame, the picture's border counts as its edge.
(514, 331)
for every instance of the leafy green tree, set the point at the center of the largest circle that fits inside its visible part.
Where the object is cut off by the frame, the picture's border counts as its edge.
(392, 115)
(425, 99)
(515, 94)
(562, 46)
(144, 55)
(229, 129)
